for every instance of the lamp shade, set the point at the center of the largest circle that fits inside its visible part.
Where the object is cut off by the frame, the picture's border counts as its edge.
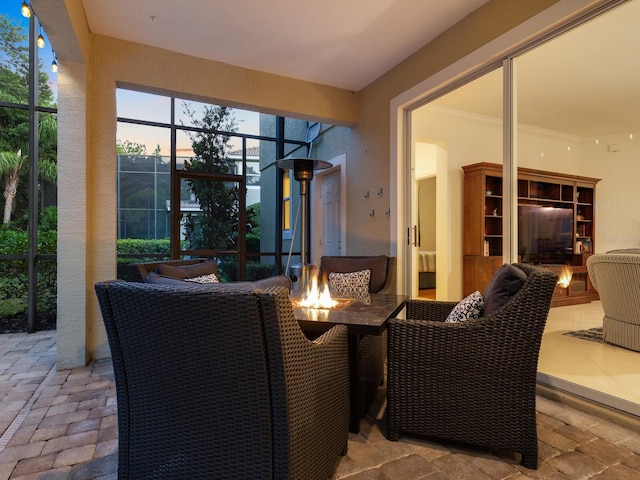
(303, 167)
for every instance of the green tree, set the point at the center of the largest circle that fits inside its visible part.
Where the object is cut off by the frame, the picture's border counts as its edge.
(14, 165)
(215, 227)
(14, 122)
(127, 147)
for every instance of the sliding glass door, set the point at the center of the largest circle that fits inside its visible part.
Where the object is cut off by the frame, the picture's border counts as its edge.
(576, 112)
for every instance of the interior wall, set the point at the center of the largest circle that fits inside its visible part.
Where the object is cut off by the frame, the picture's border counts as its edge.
(614, 159)
(425, 174)
(431, 160)
(427, 213)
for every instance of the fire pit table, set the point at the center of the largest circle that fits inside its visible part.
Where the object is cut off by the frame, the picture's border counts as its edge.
(365, 316)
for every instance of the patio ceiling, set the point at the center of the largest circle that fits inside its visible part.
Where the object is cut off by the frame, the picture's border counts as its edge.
(346, 44)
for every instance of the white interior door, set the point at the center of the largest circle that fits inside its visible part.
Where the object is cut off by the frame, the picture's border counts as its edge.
(331, 235)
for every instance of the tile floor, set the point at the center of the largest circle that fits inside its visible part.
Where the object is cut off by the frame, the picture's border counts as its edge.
(589, 367)
(62, 425)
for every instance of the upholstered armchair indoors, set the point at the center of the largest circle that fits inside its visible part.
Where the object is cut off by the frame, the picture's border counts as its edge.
(616, 277)
(223, 384)
(471, 381)
(372, 347)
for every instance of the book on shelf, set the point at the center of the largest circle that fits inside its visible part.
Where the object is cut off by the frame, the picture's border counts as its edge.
(583, 246)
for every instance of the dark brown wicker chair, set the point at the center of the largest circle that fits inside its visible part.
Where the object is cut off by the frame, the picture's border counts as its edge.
(470, 382)
(223, 384)
(372, 347)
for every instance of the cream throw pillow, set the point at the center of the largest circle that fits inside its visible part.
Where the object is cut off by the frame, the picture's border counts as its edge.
(350, 285)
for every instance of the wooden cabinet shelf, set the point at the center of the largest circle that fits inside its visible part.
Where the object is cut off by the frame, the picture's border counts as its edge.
(570, 201)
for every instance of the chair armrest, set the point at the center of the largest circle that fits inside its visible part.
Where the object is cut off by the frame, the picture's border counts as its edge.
(429, 310)
(422, 353)
(310, 388)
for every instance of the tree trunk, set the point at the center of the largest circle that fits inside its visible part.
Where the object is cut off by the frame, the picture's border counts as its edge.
(9, 196)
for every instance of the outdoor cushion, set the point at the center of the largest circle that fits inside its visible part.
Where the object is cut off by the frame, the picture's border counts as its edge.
(350, 285)
(504, 284)
(276, 281)
(188, 271)
(469, 308)
(211, 278)
(378, 264)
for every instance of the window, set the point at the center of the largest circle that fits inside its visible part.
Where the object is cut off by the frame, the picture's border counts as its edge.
(28, 142)
(200, 182)
(286, 202)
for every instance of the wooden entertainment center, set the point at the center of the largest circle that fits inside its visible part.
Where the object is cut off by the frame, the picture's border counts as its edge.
(567, 195)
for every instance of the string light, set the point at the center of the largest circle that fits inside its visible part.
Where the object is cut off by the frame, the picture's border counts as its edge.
(40, 41)
(54, 63)
(25, 10)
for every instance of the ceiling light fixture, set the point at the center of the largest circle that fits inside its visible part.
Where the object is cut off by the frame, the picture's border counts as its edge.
(54, 63)
(25, 10)
(40, 41)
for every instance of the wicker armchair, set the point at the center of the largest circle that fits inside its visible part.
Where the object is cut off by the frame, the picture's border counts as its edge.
(223, 384)
(372, 347)
(616, 277)
(471, 382)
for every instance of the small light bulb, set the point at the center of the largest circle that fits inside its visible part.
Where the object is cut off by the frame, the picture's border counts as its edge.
(40, 41)
(25, 10)
(54, 66)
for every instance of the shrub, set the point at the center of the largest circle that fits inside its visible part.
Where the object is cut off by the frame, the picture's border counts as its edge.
(14, 275)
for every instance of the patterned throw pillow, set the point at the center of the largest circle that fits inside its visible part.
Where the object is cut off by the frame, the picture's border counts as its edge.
(350, 285)
(468, 309)
(211, 278)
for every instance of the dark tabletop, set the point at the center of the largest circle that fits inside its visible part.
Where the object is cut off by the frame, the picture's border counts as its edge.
(366, 316)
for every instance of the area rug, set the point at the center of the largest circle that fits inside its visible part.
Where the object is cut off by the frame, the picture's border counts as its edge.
(592, 334)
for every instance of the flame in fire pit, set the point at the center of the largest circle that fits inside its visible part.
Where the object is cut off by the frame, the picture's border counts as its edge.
(564, 279)
(317, 297)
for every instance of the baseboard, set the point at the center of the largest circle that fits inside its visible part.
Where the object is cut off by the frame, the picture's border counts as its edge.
(602, 405)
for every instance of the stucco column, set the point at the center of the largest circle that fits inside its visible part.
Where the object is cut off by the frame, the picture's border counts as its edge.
(72, 217)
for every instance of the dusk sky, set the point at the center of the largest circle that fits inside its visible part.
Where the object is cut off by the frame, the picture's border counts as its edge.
(11, 10)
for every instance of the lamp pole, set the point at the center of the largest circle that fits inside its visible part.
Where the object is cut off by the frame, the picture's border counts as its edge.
(303, 169)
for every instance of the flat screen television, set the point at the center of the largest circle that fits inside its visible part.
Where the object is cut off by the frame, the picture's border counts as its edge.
(545, 234)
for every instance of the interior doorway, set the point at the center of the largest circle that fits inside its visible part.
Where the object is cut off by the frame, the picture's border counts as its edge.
(427, 253)
(429, 242)
(331, 235)
(328, 236)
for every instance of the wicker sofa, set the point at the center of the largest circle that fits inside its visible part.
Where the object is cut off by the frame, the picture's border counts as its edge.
(223, 384)
(474, 381)
(616, 277)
